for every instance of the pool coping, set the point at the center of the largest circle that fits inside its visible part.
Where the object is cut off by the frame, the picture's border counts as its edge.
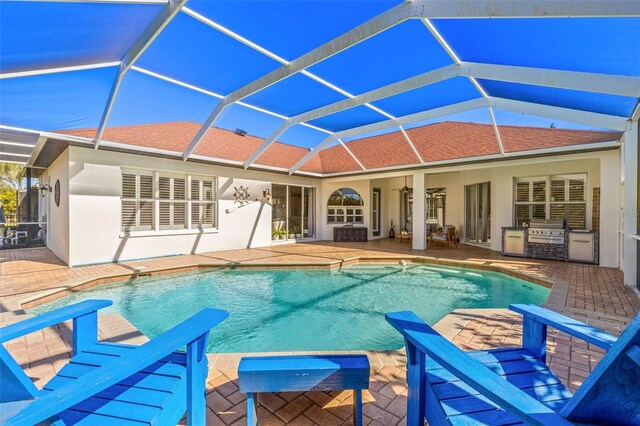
(447, 325)
(557, 295)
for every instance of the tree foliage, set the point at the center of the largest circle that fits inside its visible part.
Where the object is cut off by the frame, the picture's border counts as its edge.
(10, 175)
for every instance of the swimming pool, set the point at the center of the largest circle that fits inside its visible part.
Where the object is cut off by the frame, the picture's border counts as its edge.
(279, 310)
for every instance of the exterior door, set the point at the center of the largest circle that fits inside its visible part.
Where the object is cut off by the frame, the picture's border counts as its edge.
(375, 212)
(478, 213)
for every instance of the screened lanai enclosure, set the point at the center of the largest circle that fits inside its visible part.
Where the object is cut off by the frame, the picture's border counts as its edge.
(307, 81)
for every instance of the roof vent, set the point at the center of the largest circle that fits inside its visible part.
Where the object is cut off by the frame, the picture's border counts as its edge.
(241, 132)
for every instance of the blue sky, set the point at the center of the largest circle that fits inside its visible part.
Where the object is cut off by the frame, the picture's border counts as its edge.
(190, 51)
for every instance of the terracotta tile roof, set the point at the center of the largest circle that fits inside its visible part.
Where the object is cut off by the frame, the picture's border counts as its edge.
(217, 143)
(435, 142)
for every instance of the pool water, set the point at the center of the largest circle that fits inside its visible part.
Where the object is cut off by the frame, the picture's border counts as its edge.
(307, 309)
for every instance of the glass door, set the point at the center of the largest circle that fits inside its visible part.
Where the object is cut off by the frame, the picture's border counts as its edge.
(435, 206)
(375, 212)
(308, 224)
(292, 212)
(278, 212)
(477, 216)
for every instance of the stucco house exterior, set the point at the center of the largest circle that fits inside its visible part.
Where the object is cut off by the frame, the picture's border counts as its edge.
(137, 198)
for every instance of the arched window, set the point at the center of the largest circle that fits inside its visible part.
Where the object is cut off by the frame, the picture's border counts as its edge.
(345, 206)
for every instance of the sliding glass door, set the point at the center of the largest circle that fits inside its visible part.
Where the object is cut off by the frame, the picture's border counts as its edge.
(477, 223)
(292, 212)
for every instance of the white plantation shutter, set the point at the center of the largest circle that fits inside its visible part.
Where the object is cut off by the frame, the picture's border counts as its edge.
(164, 187)
(128, 213)
(196, 208)
(129, 186)
(137, 202)
(566, 200)
(558, 190)
(522, 191)
(539, 192)
(576, 190)
(176, 199)
(202, 203)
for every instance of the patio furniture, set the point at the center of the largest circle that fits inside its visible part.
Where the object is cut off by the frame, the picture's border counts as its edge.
(301, 373)
(514, 385)
(404, 236)
(350, 234)
(448, 235)
(109, 383)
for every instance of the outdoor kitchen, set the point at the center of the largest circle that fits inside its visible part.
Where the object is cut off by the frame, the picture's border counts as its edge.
(550, 239)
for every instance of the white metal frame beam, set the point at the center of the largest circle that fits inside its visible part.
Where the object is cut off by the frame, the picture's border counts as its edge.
(309, 155)
(452, 54)
(362, 99)
(356, 35)
(591, 82)
(411, 118)
(480, 9)
(351, 154)
(98, 1)
(43, 71)
(282, 61)
(217, 96)
(565, 114)
(574, 80)
(410, 142)
(143, 42)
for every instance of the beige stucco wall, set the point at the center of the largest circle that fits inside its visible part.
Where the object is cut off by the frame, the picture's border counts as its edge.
(602, 169)
(94, 209)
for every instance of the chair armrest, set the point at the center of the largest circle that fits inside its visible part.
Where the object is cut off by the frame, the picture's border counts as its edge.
(96, 381)
(493, 387)
(566, 324)
(57, 316)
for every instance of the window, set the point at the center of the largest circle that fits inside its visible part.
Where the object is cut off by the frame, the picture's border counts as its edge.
(552, 197)
(173, 202)
(137, 202)
(146, 192)
(202, 203)
(345, 206)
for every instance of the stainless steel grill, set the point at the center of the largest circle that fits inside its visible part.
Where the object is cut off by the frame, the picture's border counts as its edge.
(546, 231)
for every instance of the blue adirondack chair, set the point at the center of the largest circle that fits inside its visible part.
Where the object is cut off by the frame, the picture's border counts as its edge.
(513, 385)
(108, 383)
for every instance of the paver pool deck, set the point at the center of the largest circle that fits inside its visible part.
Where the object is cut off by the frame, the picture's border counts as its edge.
(586, 292)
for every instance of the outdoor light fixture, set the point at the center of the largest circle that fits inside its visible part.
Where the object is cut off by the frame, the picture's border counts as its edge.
(405, 189)
(266, 196)
(43, 189)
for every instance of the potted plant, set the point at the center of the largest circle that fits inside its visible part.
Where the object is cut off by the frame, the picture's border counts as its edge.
(297, 232)
(282, 234)
(275, 234)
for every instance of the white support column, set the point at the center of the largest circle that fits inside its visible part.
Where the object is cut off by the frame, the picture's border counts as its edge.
(419, 226)
(610, 203)
(630, 205)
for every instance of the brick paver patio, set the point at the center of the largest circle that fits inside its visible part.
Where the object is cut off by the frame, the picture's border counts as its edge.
(586, 292)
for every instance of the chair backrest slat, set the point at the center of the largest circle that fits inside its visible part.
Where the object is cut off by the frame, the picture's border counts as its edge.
(611, 393)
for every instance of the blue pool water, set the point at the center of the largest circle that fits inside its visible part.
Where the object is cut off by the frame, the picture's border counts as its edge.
(298, 310)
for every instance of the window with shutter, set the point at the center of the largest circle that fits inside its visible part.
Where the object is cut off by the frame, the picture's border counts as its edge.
(557, 190)
(177, 201)
(522, 192)
(137, 202)
(202, 203)
(538, 191)
(576, 190)
(566, 199)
